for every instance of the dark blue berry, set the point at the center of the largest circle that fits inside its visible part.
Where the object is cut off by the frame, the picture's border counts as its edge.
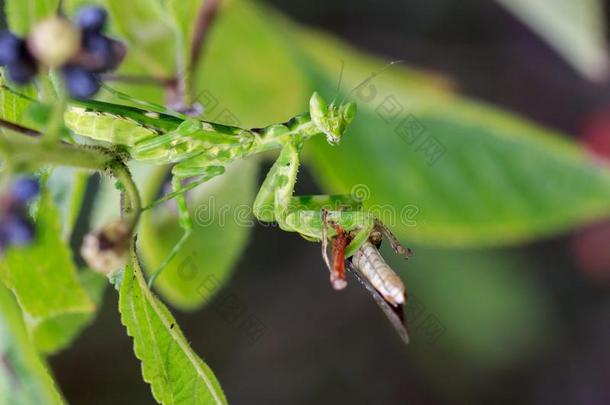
(11, 48)
(99, 50)
(91, 19)
(80, 82)
(101, 53)
(15, 56)
(25, 189)
(18, 229)
(118, 54)
(23, 70)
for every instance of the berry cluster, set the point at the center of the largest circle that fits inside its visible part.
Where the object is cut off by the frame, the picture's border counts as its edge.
(80, 50)
(16, 227)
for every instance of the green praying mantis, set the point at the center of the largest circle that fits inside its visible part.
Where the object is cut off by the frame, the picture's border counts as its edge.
(200, 150)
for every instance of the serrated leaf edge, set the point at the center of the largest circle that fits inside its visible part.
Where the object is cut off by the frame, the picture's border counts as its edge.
(174, 333)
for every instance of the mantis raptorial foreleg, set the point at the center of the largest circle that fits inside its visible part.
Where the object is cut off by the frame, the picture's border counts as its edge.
(274, 195)
(308, 215)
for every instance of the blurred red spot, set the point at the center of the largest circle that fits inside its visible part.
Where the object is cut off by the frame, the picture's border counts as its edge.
(590, 247)
(596, 132)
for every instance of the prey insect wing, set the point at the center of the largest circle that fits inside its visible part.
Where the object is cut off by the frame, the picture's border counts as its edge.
(395, 314)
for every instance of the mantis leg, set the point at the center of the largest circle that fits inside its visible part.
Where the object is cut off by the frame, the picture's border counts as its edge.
(276, 191)
(333, 202)
(196, 176)
(304, 214)
(182, 171)
(275, 200)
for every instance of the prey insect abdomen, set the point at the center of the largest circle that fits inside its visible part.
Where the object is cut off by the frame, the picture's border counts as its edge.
(370, 262)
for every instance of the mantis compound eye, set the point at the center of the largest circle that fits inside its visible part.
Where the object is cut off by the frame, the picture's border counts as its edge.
(349, 112)
(318, 108)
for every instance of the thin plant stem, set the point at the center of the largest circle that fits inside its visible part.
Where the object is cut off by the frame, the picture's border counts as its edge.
(133, 208)
(28, 149)
(187, 78)
(56, 122)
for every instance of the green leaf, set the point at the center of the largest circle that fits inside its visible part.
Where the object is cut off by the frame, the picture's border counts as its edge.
(176, 374)
(444, 170)
(70, 7)
(222, 222)
(575, 29)
(45, 283)
(68, 187)
(248, 75)
(22, 14)
(24, 378)
(152, 41)
(106, 206)
(485, 306)
(94, 283)
(12, 106)
(184, 14)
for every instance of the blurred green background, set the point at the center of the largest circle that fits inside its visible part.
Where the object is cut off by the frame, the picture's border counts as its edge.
(508, 287)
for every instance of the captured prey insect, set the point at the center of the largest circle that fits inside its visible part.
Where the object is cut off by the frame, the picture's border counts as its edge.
(369, 268)
(200, 150)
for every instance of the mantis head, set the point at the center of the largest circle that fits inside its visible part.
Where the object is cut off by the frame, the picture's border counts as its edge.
(331, 119)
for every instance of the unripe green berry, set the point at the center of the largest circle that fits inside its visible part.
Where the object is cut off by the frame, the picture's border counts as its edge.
(54, 41)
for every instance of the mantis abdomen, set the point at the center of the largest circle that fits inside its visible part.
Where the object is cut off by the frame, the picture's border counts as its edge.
(106, 127)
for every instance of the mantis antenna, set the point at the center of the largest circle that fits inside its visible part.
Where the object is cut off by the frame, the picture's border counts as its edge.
(340, 81)
(371, 77)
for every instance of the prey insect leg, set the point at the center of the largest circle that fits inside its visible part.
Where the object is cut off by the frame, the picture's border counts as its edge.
(325, 239)
(393, 240)
(337, 273)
